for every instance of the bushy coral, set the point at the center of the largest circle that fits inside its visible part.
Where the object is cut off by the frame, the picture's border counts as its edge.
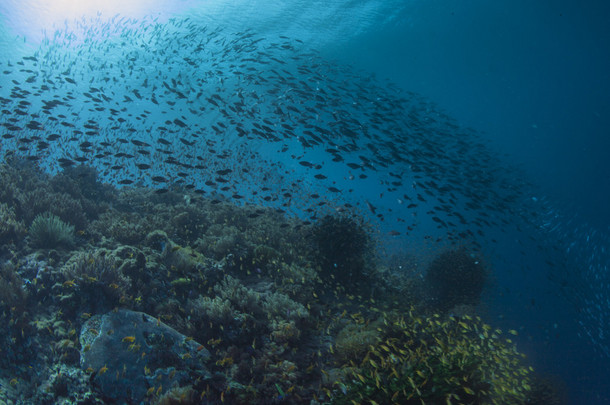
(222, 240)
(48, 231)
(285, 332)
(178, 396)
(129, 228)
(43, 200)
(82, 183)
(297, 281)
(272, 305)
(13, 300)
(342, 248)
(355, 339)
(241, 297)
(189, 223)
(11, 229)
(456, 277)
(100, 277)
(216, 309)
(436, 360)
(74, 196)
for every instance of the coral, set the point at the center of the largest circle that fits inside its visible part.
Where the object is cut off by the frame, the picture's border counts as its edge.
(11, 229)
(354, 340)
(65, 385)
(82, 183)
(341, 247)
(289, 312)
(265, 254)
(178, 396)
(42, 200)
(272, 305)
(285, 332)
(223, 240)
(124, 227)
(183, 260)
(456, 277)
(158, 240)
(17, 178)
(438, 360)
(241, 297)
(280, 307)
(216, 309)
(297, 281)
(13, 302)
(188, 223)
(101, 277)
(68, 195)
(48, 231)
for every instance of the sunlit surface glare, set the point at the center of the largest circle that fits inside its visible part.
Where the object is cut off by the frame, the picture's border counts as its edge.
(30, 18)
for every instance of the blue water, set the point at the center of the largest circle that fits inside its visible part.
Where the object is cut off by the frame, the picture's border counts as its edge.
(532, 78)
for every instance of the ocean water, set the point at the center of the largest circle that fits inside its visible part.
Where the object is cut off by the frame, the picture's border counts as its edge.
(488, 117)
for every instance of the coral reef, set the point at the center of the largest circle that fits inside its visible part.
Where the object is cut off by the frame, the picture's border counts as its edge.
(285, 311)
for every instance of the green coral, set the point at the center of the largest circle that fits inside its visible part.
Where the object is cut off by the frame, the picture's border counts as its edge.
(48, 231)
(436, 360)
(355, 339)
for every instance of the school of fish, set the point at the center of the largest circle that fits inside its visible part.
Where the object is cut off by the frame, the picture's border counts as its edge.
(266, 121)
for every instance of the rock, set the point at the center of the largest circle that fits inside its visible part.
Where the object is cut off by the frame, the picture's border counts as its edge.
(132, 356)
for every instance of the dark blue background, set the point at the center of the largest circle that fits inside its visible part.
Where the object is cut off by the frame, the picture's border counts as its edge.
(534, 78)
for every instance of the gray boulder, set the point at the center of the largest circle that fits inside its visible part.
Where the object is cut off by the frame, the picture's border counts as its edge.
(132, 356)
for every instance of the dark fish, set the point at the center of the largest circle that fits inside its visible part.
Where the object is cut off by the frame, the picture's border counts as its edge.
(180, 123)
